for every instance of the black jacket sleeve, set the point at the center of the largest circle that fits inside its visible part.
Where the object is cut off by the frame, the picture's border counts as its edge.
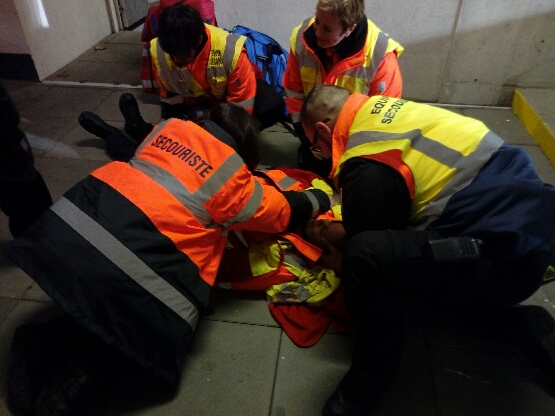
(305, 205)
(374, 196)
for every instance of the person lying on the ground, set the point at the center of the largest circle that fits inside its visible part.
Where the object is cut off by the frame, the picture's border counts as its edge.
(131, 252)
(298, 270)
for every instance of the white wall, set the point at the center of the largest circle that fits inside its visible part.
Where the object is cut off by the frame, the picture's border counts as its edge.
(456, 51)
(57, 32)
(12, 38)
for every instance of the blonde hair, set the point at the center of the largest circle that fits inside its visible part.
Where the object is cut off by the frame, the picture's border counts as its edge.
(324, 101)
(348, 12)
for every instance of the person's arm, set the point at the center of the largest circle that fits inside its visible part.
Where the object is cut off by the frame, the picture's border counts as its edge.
(251, 205)
(241, 84)
(171, 103)
(388, 80)
(374, 196)
(294, 93)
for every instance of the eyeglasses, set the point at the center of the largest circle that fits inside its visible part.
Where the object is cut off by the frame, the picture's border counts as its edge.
(315, 147)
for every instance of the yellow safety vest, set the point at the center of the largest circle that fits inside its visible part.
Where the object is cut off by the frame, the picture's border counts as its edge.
(438, 152)
(225, 49)
(355, 72)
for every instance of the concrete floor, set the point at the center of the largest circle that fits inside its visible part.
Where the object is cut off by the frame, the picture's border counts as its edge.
(242, 364)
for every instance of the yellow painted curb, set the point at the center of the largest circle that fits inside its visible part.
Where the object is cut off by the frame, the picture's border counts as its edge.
(539, 130)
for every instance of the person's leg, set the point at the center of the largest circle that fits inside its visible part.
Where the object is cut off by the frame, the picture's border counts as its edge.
(269, 106)
(376, 265)
(118, 145)
(23, 200)
(488, 297)
(23, 194)
(135, 126)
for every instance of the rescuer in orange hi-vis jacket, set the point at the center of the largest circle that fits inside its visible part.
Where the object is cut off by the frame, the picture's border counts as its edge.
(197, 64)
(294, 268)
(131, 252)
(340, 46)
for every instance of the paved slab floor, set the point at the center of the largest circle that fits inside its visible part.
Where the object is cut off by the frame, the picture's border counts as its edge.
(242, 364)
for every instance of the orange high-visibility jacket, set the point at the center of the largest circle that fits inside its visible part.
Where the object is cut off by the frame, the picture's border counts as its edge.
(131, 251)
(258, 261)
(355, 73)
(221, 72)
(241, 272)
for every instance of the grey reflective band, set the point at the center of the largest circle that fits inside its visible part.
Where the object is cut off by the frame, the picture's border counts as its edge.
(126, 260)
(177, 80)
(244, 104)
(472, 163)
(229, 50)
(249, 209)
(286, 182)
(293, 94)
(466, 167)
(314, 202)
(304, 59)
(299, 44)
(433, 149)
(163, 178)
(369, 72)
(219, 177)
(215, 72)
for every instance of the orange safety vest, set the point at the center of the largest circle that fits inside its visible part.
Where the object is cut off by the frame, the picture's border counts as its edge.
(202, 182)
(354, 73)
(207, 77)
(248, 263)
(241, 270)
(148, 236)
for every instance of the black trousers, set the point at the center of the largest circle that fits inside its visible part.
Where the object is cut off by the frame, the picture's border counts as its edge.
(23, 200)
(381, 267)
(24, 195)
(269, 106)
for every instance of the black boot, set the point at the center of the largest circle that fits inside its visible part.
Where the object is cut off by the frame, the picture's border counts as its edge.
(24, 375)
(134, 126)
(65, 390)
(530, 328)
(95, 125)
(118, 145)
(351, 398)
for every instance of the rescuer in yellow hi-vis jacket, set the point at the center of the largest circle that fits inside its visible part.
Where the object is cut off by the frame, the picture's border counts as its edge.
(131, 252)
(435, 200)
(197, 65)
(338, 46)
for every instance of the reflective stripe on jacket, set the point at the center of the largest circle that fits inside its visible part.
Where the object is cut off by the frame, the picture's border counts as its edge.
(257, 260)
(131, 251)
(222, 54)
(354, 73)
(436, 151)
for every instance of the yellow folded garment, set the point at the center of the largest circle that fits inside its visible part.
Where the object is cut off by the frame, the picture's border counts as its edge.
(312, 286)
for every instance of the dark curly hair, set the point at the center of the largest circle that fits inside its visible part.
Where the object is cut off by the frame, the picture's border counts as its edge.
(241, 126)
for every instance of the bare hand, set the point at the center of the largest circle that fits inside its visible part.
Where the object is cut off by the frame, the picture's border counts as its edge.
(331, 258)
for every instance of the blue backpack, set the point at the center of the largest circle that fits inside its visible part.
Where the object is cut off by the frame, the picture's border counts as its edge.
(267, 54)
